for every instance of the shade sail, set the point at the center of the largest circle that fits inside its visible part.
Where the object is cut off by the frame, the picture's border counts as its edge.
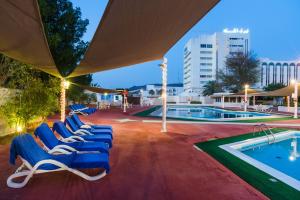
(286, 91)
(136, 31)
(96, 89)
(22, 35)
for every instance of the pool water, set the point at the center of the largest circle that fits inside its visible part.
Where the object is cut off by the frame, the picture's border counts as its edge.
(201, 112)
(282, 156)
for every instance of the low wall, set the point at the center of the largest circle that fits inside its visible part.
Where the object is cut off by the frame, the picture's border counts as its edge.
(286, 109)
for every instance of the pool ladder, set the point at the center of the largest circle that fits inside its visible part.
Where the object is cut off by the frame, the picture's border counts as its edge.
(263, 128)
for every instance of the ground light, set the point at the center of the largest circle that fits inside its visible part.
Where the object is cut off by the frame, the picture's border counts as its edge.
(246, 97)
(295, 97)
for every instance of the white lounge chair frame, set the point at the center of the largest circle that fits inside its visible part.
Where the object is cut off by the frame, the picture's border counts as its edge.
(31, 170)
(78, 111)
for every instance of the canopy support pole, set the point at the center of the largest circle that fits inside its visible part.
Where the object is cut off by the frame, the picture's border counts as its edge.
(296, 100)
(253, 100)
(288, 103)
(62, 100)
(246, 98)
(223, 101)
(163, 67)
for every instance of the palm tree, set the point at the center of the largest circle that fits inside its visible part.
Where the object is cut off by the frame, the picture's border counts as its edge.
(211, 87)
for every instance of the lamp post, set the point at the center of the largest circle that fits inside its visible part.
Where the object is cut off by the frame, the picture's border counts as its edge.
(295, 97)
(246, 98)
(64, 84)
(163, 67)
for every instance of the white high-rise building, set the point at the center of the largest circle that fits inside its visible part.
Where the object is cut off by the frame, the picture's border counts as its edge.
(205, 55)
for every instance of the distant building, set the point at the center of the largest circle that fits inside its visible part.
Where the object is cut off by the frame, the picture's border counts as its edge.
(154, 90)
(205, 55)
(272, 71)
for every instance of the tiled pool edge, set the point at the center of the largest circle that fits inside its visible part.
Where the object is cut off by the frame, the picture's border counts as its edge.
(259, 165)
(253, 176)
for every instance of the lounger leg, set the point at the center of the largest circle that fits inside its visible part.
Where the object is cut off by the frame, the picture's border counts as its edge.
(34, 170)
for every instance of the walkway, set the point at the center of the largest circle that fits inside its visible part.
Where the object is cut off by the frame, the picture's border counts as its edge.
(145, 164)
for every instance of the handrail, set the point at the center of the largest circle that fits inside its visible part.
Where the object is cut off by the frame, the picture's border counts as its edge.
(266, 130)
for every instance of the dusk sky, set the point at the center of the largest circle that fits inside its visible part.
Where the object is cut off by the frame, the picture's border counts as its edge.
(273, 24)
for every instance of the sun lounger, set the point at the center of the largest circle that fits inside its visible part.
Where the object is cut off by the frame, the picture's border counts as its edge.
(76, 129)
(80, 124)
(36, 160)
(53, 145)
(81, 109)
(69, 136)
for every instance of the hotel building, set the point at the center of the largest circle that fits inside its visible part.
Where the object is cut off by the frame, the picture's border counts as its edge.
(278, 71)
(205, 55)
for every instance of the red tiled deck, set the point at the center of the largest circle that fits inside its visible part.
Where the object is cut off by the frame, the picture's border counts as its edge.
(145, 164)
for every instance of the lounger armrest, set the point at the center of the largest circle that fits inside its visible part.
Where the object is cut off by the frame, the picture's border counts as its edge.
(62, 149)
(73, 138)
(85, 126)
(82, 132)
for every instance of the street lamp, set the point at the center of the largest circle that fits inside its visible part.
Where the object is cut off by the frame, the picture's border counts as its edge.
(295, 97)
(246, 97)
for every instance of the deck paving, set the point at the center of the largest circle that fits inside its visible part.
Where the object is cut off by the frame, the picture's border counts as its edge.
(145, 164)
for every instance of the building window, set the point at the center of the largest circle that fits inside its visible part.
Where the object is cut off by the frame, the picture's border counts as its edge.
(205, 70)
(209, 45)
(206, 52)
(206, 58)
(205, 64)
(205, 76)
(203, 45)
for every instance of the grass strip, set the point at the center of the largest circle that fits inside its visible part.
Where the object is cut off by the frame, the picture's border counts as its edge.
(255, 177)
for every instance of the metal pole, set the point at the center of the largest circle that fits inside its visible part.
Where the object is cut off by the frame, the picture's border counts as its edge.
(288, 103)
(223, 101)
(296, 100)
(163, 67)
(253, 100)
(246, 98)
(62, 100)
(141, 98)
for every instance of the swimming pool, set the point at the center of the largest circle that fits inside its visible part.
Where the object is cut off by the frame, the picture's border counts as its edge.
(278, 156)
(208, 113)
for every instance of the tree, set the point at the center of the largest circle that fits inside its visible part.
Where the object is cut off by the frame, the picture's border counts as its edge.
(211, 87)
(240, 69)
(274, 86)
(152, 92)
(34, 98)
(64, 29)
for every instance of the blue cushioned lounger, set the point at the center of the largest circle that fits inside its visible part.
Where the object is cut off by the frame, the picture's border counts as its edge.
(56, 146)
(62, 130)
(36, 160)
(73, 126)
(80, 124)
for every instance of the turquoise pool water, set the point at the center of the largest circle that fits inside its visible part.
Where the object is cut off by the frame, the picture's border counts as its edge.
(282, 156)
(201, 112)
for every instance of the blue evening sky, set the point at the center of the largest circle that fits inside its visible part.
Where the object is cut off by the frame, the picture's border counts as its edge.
(274, 28)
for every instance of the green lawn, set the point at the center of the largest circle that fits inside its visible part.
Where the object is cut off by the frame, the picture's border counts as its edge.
(255, 177)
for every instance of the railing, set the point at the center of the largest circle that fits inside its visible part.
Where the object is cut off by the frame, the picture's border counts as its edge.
(263, 128)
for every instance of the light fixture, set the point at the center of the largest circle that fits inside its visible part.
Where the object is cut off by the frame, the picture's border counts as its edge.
(246, 86)
(292, 158)
(66, 84)
(293, 81)
(19, 128)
